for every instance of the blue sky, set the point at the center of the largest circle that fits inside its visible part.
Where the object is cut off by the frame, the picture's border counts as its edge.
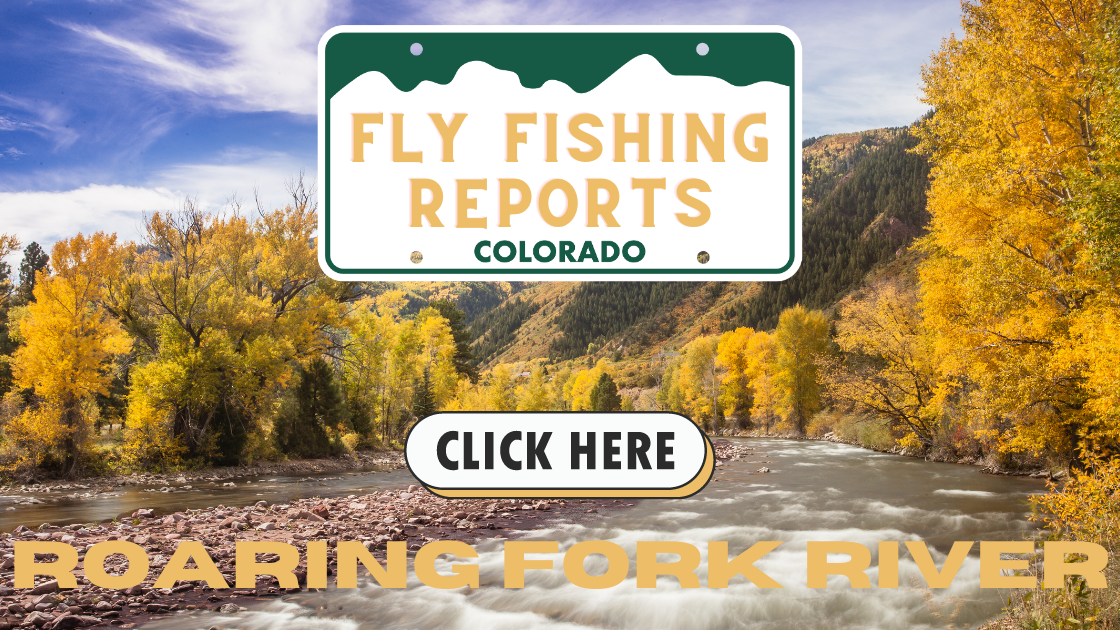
(109, 109)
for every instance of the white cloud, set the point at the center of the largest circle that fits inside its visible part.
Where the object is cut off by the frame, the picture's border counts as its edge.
(238, 172)
(47, 216)
(44, 118)
(269, 61)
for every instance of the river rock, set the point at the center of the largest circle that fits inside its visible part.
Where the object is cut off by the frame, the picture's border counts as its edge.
(68, 621)
(764, 470)
(322, 511)
(38, 619)
(49, 598)
(229, 608)
(45, 587)
(143, 513)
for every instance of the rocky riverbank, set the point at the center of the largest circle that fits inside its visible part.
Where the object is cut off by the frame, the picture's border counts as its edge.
(415, 516)
(41, 492)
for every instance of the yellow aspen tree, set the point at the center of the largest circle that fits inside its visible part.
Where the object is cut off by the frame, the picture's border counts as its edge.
(534, 396)
(577, 389)
(499, 392)
(888, 367)
(1012, 130)
(801, 337)
(699, 377)
(765, 401)
(733, 357)
(437, 353)
(68, 339)
(761, 353)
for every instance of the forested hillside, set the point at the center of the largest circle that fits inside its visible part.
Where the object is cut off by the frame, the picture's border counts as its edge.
(872, 210)
(864, 197)
(599, 311)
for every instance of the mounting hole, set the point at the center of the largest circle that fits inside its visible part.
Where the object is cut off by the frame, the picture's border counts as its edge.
(701, 49)
(416, 49)
(416, 257)
(703, 258)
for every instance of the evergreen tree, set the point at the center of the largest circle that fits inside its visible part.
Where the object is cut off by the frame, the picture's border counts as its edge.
(34, 259)
(464, 358)
(302, 428)
(604, 395)
(498, 328)
(598, 311)
(424, 400)
(7, 344)
(854, 223)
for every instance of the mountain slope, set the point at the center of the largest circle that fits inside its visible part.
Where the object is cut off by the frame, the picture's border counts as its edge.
(864, 200)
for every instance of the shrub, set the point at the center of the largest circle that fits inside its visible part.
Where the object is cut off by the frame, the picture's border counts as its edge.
(865, 430)
(1086, 509)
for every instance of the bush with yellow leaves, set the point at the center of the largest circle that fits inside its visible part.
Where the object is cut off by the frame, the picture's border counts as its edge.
(1087, 509)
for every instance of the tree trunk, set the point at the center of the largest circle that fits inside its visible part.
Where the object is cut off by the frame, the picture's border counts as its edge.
(72, 415)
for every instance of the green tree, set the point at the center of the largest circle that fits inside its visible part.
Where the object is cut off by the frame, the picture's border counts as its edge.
(801, 336)
(8, 244)
(464, 356)
(604, 395)
(424, 400)
(34, 261)
(316, 411)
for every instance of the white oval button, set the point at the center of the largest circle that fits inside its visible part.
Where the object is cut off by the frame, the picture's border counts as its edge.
(559, 454)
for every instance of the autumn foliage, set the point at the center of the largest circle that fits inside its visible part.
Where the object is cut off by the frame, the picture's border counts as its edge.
(206, 333)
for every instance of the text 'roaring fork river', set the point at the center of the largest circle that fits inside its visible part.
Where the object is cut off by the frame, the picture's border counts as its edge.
(817, 491)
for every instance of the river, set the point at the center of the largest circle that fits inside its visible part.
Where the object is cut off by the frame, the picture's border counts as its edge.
(70, 506)
(816, 491)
